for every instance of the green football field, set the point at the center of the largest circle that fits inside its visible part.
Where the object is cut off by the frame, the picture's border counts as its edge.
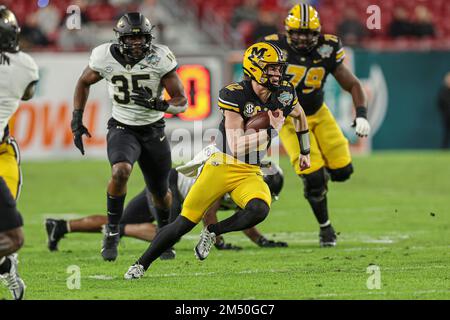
(393, 219)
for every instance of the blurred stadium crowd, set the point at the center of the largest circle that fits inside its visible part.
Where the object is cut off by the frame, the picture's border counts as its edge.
(233, 24)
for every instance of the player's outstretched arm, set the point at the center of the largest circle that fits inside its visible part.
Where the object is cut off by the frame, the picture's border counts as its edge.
(88, 78)
(350, 83)
(301, 128)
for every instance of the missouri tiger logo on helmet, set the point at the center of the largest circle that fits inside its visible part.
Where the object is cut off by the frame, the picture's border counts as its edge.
(302, 27)
(257, 60)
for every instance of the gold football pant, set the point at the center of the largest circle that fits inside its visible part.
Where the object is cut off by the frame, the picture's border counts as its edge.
(223, 174)
(329, 147)
(10, 166)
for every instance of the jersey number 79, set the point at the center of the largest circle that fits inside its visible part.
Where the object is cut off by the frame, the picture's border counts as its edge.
(313, 79)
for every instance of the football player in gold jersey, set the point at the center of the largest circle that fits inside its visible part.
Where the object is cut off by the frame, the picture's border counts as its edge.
(311, 57)
(18, 78)
(234, 167)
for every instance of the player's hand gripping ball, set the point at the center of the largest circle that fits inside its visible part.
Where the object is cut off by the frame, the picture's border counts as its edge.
(260, 121)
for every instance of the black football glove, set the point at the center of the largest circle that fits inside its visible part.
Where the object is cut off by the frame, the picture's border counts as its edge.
(143, 97)
(78, 129)
(263, 242)
(221, 245)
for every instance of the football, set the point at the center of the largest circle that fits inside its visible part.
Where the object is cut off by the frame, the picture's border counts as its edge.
(259, 121)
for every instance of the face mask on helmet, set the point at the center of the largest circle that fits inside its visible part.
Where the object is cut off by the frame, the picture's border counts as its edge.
(273, 75)
(136, 47)
(303, 40)
(134, 33)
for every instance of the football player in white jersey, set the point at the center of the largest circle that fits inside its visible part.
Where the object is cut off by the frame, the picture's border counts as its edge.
(19, 75)
(136, 71)
(138, 216)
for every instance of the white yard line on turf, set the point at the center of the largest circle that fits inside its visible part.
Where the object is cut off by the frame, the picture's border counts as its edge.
(384, 293)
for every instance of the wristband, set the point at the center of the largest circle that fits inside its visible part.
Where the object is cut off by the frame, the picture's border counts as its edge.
(175, 109)
(77, 119)
(77, 113)
(361, 112)
(271, 132)
(303, 140)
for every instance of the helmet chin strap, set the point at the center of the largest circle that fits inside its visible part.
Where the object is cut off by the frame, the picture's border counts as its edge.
(268, 84)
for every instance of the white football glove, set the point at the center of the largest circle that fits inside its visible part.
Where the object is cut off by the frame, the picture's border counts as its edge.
(190, 169)
(362, 127)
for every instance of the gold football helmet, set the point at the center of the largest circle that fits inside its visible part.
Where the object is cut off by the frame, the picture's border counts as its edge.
(302, 27)
(257, 59)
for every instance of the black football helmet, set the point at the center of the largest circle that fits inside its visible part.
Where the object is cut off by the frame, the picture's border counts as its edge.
(273, 176)
(134, 33)
(9, 31)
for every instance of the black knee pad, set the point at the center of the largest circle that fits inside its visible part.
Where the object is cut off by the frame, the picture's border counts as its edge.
(315, 185)
(258, 209)
(341, 174)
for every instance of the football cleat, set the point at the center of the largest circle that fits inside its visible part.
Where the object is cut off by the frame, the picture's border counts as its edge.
(136, 271)
(169, 254)
(55, 232)
(110, 242)
(207, 240)
(327, 237)
(12, 279)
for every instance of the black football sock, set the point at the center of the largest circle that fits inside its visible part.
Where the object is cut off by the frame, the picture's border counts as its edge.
(165, 239)
(5, 266)
(255, 212)
(162, 216)
(320, 210)
(122, 229)
(64, 226)
(115, 208)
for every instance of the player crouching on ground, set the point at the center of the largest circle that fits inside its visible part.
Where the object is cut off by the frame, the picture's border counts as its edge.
(235, 169)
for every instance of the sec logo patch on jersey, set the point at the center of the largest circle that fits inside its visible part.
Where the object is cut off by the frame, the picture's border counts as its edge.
(249, 109)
